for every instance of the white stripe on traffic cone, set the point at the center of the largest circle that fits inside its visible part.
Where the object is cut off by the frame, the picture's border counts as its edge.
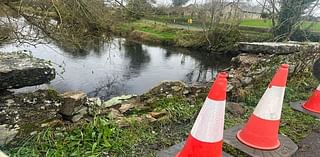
(206, 137)
(210, 119)
(270, 105)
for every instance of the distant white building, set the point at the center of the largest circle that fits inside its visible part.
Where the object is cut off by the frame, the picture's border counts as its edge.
(242, 10)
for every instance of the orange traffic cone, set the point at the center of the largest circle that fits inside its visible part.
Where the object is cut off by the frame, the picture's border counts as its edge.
(261, 130)
(313, 103)
(206, 136)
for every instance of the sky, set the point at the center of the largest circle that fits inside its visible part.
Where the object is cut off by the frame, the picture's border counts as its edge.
(198, 1)
(253, 2)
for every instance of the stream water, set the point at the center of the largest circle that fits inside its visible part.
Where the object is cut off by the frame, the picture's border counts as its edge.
(122, 67)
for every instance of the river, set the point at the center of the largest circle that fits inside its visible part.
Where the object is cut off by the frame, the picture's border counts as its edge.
(122, 67)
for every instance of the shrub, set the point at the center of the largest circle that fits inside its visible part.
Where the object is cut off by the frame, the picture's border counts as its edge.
(222, 39)
(304, 35)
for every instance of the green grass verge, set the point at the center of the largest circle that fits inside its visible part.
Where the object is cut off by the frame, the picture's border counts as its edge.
(103, 137)
(261, 23)
(256, 23)
(156, 31)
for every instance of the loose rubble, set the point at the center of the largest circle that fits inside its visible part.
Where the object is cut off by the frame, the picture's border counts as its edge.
(248, 68)
(73, 107)
(7, 134)
(17, 112)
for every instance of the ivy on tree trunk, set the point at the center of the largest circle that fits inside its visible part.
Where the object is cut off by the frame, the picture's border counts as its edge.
(290, 17)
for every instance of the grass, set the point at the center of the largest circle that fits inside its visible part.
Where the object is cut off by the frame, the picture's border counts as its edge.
(102, 137)
(160, 33)
(260, 23)
(253, 36)
(155, 31)
(256, 23)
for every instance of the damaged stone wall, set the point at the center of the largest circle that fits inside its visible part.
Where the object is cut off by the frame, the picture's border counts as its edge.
(246, 68)
(18, 69)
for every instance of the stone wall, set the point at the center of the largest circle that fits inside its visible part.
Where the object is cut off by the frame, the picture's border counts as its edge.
(19, 70)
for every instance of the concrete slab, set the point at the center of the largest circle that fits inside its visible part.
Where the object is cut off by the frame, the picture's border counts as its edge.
(19, 70)
(298, 106)
(286, 149)
(275, 47)
(310, 146)
(172, 151)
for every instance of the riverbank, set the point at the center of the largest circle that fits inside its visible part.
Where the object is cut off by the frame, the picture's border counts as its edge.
(153, 32)
(104, 136)
(142, 125)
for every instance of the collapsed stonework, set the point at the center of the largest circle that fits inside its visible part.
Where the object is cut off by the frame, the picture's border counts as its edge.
(18, 69)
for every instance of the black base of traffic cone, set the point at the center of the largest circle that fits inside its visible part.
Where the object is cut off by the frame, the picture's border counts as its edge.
(286, 149)
(172, 151)
(298, 106)
(309, 146)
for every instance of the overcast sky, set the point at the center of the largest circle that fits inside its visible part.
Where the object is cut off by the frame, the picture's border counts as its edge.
(198, 1)
(253, 2)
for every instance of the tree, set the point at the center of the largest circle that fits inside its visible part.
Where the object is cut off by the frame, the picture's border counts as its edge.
(140, 8)
(177, 3)
(69, 22)
(290, 17)
(219, 25)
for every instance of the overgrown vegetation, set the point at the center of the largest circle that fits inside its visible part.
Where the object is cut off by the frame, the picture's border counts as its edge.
(5, 34)
(102, 137)
(290, 18)
(160, 33)
(79, 25)
(71, 24)
(140, 8)
(77, 21)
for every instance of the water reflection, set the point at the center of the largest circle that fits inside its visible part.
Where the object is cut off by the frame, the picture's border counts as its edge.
(206, 65)
(138, 57)
(207, 68)
(108, 88)
(124, 67)
(83, 47)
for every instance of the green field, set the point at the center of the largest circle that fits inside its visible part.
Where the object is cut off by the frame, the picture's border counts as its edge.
(257, 23)
(157, 31)
(313, 26)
